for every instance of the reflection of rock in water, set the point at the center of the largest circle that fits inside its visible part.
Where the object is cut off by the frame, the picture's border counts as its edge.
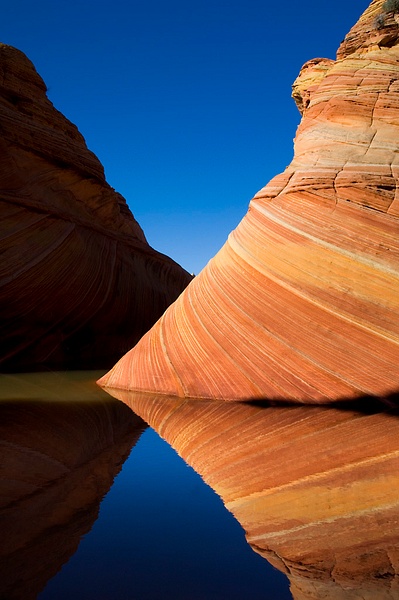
(58, 460)
(315, 488)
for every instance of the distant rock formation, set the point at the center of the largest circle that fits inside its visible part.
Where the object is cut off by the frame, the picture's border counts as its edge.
(79, 283)
(314, 487)
(302, 302)
(61, 449)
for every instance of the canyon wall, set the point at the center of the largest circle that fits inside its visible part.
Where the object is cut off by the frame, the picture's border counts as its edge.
(79, 284)
(302, 302)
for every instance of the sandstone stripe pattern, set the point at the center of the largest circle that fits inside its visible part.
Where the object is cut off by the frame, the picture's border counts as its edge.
(302, 302)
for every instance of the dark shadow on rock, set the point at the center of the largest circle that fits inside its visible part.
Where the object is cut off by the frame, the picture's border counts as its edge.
(367, 405)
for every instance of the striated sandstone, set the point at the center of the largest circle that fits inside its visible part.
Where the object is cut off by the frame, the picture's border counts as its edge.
(79, 282)
(61, 448)
(315, 488)
(302, 302)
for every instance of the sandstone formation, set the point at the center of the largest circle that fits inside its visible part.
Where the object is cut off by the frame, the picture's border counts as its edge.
(79, 284)
(302, 302)
(61, 448)
(314, 487)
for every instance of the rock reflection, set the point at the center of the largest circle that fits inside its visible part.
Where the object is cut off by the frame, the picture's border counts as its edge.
(315, 488)
(62, 442)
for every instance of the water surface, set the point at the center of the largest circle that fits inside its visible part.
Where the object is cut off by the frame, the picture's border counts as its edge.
(94, 504)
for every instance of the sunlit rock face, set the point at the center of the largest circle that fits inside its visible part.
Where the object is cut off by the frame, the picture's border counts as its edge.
(302, 302)
(62, 442)
(316, 488)
(79, 283)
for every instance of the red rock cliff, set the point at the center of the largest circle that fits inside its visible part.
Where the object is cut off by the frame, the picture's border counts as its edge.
(79, 284)
(302, 302)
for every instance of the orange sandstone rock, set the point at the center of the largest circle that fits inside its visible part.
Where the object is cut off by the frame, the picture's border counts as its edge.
(302, 302)
(79, 283)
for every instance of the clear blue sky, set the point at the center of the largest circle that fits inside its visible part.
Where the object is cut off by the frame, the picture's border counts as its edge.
(186, 104)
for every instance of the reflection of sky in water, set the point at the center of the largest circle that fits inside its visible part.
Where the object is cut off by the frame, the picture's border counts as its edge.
(163, 533)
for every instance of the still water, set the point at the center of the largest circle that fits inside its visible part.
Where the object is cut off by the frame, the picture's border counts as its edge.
(95, 505)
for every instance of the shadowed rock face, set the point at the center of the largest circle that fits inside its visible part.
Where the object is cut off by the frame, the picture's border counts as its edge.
(79, 283)
(314, 487)
(62, 442)
(302, 302)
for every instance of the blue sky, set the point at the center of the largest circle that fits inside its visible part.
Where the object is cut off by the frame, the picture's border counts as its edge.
(186, 104)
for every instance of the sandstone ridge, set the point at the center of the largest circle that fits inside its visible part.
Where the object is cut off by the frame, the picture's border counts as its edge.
(301, 304)
(79, 282)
